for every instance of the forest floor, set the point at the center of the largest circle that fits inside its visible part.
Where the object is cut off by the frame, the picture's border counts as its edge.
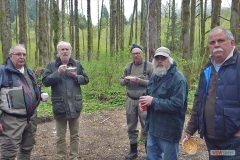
(103, 136)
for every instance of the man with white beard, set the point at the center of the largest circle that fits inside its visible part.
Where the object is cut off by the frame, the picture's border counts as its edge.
(166, 102)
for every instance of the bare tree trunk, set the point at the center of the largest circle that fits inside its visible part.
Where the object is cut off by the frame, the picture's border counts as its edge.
(122, 26)
(16, 24)
(112, 27)
(173, 27)
(71, 28)
(37, 33)
(6, 36)
(89, 29)
(184, 47)
(151, 44)
(216, 6)
(63, 20)
(136, 20)
(22, 22)
(234, 23)
(99, 29)
(77, 48)
(192, 26)
(83, 41)
(55, 25)
(43, 38)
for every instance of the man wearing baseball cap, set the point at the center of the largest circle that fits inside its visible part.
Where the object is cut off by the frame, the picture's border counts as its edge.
(135, 77)
(166, 101)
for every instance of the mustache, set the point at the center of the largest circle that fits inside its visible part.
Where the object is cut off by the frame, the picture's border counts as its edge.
(21, 60)
(217, 50)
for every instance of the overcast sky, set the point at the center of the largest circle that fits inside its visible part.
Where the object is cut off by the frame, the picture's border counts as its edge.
(128, 6)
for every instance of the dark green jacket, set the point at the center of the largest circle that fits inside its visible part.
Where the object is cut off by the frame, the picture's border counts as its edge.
(66, 93)
(166, 114)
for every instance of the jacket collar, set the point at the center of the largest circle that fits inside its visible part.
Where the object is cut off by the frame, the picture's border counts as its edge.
(71, 62)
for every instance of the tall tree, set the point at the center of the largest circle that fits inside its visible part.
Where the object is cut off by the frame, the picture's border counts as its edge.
(5, 25)
(216, 6)
(90, 42)
(22, 22)
(43, 34)
(192, 26)
(184, 47)
(71, 27)
(55, 24)
(173, 26)
(112, 27)
(63, 20)
(77, 48)
(151, 44)
(234, 23)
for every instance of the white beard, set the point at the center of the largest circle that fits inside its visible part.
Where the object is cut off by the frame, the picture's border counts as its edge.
(160, 72)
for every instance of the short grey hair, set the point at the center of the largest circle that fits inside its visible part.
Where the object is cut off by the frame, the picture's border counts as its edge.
(17, 45)
(64, 43)
(227, 32)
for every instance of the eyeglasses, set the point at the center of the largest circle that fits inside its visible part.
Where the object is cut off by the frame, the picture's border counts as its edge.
(19, 54)
(137, 53)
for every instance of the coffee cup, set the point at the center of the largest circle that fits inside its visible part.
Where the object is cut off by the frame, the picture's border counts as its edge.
(44, 96)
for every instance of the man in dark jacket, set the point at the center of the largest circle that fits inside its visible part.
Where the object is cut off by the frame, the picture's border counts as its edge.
(20, 96)
(65, 76)
(166, 102)
(216, 108)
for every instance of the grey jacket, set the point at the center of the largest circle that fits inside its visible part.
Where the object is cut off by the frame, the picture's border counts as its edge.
(66, 93)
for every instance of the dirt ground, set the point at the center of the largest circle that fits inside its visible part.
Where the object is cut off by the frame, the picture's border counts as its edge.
(103, 136)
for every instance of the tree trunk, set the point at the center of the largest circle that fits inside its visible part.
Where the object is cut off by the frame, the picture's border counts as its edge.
(112, 27)
(22, 22)
(89, 29)
(216, 6)
(234, 25)
(192, 27)
(63, 20)
(43, 38)
(5, 25)
(55, 25)
(77, 48)
(184, 47)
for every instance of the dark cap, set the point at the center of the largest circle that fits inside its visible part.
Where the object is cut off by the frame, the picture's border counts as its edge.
(135, 46)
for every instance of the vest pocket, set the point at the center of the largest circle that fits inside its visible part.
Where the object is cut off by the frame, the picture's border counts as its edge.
(231, 121)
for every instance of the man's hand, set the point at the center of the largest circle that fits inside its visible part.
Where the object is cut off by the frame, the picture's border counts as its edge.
(62, 68)
(146, 100)
(186, 136)
(72, 74)
(1, 128)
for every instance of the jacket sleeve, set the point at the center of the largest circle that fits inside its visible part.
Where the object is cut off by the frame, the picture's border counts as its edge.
(50, 77)
(82, 77)
(192, 123)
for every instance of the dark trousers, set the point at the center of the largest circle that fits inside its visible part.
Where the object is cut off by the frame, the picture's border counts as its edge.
(223, 149)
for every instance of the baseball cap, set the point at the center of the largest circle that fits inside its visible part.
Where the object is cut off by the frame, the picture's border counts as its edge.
(162, 51)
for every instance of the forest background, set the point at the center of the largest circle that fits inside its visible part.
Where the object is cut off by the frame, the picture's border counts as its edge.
(103, 49)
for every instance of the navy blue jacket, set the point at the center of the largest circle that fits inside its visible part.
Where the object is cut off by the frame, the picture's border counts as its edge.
(227, 100)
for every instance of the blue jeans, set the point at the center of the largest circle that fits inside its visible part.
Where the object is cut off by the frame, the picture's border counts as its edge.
(229, 144)
(158, 149)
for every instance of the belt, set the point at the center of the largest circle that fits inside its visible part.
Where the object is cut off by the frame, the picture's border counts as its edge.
(132, 97)
(18, 116)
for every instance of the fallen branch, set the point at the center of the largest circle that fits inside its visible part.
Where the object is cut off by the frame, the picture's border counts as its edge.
(105, 120)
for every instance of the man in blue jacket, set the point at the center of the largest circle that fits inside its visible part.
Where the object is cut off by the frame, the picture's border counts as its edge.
(20, 96)
(216, 108)
(166, 103)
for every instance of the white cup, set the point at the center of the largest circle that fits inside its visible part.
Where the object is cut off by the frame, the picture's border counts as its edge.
(44, 97)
